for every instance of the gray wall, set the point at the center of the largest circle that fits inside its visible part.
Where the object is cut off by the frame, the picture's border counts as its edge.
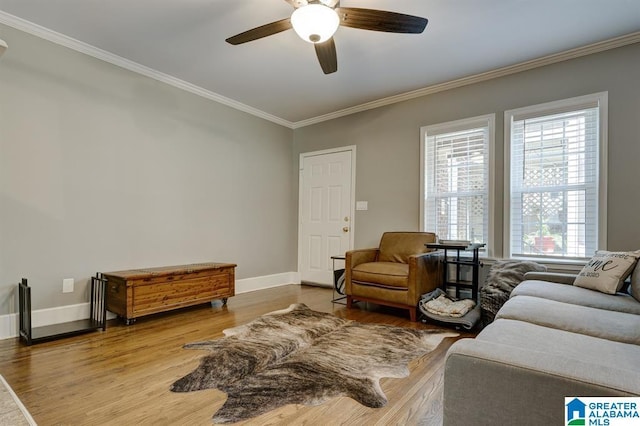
(388, 141)
(102, 169)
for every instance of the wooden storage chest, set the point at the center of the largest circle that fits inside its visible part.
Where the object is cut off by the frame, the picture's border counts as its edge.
(137, 292)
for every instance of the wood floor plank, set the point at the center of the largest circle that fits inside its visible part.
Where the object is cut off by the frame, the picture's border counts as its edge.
(122, 375)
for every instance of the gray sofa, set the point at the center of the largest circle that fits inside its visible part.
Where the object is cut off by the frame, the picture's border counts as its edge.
(551, 339)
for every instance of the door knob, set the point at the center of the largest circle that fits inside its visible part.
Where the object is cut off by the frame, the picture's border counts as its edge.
(345, 229)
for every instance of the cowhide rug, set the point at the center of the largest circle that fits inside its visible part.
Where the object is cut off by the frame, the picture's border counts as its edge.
(300, 356)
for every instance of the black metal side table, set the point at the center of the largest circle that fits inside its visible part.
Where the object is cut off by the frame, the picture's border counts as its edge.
(460, 263)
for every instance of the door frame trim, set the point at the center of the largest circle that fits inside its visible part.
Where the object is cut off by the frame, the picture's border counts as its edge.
(352, 201)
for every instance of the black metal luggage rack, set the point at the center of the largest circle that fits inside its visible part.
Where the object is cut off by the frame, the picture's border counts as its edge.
(97, 317)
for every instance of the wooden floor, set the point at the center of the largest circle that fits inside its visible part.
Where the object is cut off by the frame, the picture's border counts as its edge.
(122, 376)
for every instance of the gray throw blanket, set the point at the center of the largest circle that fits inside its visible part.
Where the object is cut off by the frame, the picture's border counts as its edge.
(503, 277)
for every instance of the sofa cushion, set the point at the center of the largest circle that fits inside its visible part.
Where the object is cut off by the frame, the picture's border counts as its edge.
(552, 341)
(398, 246)
(577, 296)
(575, 356)
(607, 270)
(610, 325)
(390, 274)
(509, 359)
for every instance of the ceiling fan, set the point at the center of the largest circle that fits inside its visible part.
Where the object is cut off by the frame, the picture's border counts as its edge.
(316, 21)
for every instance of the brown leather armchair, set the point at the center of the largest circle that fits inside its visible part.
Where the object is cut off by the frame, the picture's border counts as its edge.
(395, 274)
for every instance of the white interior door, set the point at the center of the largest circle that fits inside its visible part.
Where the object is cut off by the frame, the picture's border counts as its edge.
(326, 211)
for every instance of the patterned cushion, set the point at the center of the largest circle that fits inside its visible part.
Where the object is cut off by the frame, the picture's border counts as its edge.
(607, 270)
(635, 282)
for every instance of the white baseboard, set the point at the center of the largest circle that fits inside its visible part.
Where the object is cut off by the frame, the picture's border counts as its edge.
(8, 326)
(41, 317)
(267, 281)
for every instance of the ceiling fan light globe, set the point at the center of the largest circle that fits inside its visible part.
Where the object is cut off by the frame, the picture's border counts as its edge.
(315, 23)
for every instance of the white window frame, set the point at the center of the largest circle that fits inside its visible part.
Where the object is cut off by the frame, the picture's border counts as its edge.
(549, 108)
(488, 121)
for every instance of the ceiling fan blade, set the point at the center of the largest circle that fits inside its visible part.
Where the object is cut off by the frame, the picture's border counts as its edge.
(326, 53)
(260, 32)
(380, 20)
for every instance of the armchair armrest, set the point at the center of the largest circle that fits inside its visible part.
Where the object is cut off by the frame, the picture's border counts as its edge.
(356, 257)
(425, 273)
(554, 277)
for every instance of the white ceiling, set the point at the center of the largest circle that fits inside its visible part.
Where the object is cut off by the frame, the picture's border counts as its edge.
(280, 75)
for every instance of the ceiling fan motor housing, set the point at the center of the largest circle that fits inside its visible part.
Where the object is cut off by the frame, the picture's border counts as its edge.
(315, 23)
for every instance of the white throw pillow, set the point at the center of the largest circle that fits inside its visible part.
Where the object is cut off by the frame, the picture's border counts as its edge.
(607, 270)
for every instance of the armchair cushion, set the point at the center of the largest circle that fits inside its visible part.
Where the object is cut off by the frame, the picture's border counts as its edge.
(398, 246)
(391, 274)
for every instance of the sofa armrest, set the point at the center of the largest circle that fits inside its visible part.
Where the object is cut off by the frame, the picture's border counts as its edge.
(496, 380)
(554, 277)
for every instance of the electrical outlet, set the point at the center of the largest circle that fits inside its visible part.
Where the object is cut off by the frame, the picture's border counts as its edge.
(67, 285)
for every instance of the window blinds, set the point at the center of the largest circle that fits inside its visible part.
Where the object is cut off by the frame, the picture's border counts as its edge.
(554, 183)
(456, 183)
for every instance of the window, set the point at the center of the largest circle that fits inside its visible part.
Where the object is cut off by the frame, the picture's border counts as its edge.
(455, 166)
(554, 178)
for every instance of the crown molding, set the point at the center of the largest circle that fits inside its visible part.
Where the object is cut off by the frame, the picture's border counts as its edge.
(87, 49)
(477, 78)
(71, 43)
